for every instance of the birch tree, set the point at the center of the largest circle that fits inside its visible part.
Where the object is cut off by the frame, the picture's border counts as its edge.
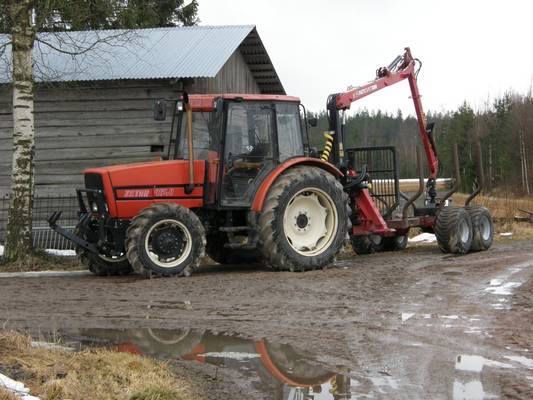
(19, 226)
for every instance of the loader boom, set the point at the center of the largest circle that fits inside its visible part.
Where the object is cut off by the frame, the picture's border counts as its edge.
(403, 67)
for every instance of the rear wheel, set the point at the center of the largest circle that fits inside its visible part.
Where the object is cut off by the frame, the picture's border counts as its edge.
(367, 244)
(101, 264)
(165, 239)
(483, 228)
(453, 229)
(304, 221)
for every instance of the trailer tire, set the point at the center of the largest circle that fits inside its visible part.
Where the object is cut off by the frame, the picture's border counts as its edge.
(483, 228)
(101, 265)
(396, 243)
(367, 244)
(305, 220)
(217, 252)
(453, 229)
(175, 248)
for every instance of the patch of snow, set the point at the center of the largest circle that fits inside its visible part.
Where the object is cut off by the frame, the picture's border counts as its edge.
(406, 316)
(61, 253)
(472, 390)
(527, 362)
(423, 238)
(18, 388)
(476, 363)
(504, 289)
(506, 234)
(450, 316)
(495, 282)
(385, 381)
(50, 346)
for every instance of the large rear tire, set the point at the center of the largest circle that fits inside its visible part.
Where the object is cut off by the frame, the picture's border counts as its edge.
(483, 228)
(102, 265)
(165, 239)
(453, 229)
(304, 221)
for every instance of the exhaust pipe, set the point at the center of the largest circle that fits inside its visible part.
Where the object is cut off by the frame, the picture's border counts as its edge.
(188, 110)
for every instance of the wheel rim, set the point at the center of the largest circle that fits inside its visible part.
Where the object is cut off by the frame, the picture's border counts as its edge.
(310, 221)
(464, 231)
(168, 243)
(376, 239)
(484, 228)
(164, 337)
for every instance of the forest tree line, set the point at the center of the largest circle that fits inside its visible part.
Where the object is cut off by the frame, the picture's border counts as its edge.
(504, 128)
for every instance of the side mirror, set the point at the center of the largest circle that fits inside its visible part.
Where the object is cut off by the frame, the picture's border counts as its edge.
(160, 110)
(312, 122)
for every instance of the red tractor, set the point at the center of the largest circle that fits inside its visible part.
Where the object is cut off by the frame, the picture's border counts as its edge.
(242, 184)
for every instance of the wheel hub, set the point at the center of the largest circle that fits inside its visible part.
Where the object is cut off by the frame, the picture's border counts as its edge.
(302, 220)
(167, 242)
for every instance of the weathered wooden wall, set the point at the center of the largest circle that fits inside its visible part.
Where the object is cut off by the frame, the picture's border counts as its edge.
(94, 124)
(234, 77)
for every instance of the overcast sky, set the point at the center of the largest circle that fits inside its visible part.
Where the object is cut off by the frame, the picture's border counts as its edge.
(471, 49)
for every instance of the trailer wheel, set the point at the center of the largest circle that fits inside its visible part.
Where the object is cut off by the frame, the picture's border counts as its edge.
(396, 243)
(304, 221)
(165, 239)
(217, 252)
(453, 229)
(483, 228)
(102, 265)
(367, 244)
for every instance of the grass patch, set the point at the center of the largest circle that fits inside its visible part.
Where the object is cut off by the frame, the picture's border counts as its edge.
(98, 374)
(6, 395)
(40, 261)
(503, 209)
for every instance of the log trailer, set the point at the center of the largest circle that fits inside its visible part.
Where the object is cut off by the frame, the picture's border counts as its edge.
(242, 184)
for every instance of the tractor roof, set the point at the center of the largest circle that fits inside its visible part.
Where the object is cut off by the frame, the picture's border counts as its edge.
(205, 102)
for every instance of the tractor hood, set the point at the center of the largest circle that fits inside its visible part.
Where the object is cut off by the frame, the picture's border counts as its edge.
(129, 188)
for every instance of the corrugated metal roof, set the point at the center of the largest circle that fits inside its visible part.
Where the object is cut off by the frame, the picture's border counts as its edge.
(177, 52)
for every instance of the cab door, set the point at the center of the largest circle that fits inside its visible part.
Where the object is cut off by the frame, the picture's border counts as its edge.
(250, 151)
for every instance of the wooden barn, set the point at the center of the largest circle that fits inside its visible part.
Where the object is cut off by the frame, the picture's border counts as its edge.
(95, 108)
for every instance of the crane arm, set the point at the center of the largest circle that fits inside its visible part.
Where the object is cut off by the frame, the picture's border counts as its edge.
(403, 67)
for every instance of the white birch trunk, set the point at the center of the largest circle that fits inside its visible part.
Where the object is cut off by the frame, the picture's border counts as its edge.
(19, 227)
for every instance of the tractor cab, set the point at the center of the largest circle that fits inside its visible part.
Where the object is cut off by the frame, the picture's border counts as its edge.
(242, 138)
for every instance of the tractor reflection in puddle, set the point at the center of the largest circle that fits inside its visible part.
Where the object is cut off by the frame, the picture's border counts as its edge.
(277, 369)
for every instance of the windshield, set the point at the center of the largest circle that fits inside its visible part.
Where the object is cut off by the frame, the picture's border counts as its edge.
(205, 133)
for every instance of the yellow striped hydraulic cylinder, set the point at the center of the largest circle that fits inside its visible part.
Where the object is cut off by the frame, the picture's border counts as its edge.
(328, 146)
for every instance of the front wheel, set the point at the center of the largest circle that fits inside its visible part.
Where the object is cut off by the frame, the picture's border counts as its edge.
(102, 264)
(165, 239)
(304, 221)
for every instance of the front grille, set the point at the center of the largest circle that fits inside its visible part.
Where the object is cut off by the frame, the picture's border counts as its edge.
(380, 162)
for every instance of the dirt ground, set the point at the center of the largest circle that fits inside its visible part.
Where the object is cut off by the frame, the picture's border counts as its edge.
(416, 324)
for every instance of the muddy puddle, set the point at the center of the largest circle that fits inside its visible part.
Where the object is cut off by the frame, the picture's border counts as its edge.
(278, 371)
(281, 371)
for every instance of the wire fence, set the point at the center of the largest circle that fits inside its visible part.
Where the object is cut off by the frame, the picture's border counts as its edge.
(43, 206)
